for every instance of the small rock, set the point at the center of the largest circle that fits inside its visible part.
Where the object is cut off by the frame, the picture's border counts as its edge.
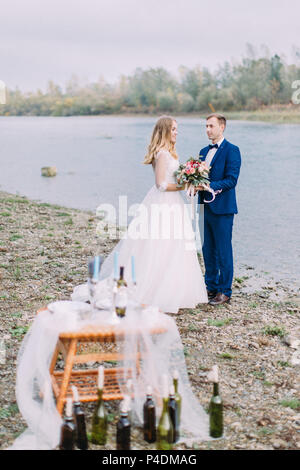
(253, 345)
(295, 360)
(295, 418)
(49, 171)
(264, 421)
(236, 426)
(261, 447)
(291, 341)
(279, 444)
(263, 341)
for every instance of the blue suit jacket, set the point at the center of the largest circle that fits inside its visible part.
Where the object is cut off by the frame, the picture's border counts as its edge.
(224, 173)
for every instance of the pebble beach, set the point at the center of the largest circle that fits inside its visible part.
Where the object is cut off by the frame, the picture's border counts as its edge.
(255, 340)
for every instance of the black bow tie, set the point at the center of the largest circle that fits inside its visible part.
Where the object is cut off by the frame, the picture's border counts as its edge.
(213, 146)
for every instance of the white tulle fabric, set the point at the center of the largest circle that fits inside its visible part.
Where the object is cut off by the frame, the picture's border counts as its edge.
(167, 268)
(33, 384)
(160, 354)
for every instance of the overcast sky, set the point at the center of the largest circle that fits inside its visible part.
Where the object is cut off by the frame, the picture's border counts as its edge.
(53, 39)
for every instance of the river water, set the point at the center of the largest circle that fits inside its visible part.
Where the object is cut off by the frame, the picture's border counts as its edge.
(100, 158)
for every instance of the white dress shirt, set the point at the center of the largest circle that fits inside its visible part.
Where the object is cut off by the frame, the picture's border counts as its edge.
(212, 152)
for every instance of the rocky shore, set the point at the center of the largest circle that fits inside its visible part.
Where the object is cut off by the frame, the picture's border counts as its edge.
(255, 339)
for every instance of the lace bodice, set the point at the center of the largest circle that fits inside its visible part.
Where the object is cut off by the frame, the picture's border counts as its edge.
(164, 167)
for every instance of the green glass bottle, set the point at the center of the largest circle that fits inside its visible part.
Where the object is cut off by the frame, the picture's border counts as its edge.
(121, 296)
(177, 394)
(99, 421)
(165, 430)
(216, 413)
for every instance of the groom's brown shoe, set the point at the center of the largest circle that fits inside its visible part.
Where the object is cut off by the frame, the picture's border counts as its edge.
(219, 299)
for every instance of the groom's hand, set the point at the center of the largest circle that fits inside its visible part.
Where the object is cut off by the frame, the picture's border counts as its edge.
(199, 188)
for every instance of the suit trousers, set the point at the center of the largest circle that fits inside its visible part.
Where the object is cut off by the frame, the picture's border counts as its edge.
(217, 251)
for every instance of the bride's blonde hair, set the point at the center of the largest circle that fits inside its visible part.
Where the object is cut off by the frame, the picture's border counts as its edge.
(161, 139)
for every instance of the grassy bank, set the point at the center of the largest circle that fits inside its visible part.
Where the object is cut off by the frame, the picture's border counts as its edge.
(44, 251)
(276, 115)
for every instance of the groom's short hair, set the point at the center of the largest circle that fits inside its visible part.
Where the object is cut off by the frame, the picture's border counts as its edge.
(220, 117)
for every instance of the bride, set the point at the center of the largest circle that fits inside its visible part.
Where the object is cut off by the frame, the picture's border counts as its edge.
(161, 237)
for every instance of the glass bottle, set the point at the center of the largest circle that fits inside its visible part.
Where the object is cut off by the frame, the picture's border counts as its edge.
(173, 411)
(123, 429)
(99, 420)
(149, 417)
(165, 430)
(177, 394)
(67, 433)
(121, 297)
(216, 413)
(79, 418)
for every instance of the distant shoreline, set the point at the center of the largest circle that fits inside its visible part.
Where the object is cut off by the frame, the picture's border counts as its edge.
(285, 114)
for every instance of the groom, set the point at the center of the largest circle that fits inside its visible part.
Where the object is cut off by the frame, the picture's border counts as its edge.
(224, 159)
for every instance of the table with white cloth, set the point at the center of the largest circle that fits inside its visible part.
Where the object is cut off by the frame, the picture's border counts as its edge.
(93, 343)
(69, 340)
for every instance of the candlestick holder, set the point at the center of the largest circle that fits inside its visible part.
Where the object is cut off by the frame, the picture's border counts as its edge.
(92, 285)
(132, 295)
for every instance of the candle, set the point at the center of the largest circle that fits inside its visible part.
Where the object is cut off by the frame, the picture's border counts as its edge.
(213, 374)
(165, 387)
(75, 394)
(116, 255)
(133, 269)
(69, 407)
(100, 377)
(129, 386)
(96, 267)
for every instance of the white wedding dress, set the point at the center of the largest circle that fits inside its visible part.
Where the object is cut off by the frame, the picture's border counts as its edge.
(162, 240)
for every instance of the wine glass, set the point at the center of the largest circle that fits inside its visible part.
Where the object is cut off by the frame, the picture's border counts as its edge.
(114, 319)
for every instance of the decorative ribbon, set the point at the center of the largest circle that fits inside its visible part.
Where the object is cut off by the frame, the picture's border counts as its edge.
(190, 192)
(211, 191)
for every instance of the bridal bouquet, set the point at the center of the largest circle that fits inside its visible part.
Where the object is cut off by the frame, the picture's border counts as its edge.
(194, 173)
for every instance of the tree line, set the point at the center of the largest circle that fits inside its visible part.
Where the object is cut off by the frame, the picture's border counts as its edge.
(249, 84)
